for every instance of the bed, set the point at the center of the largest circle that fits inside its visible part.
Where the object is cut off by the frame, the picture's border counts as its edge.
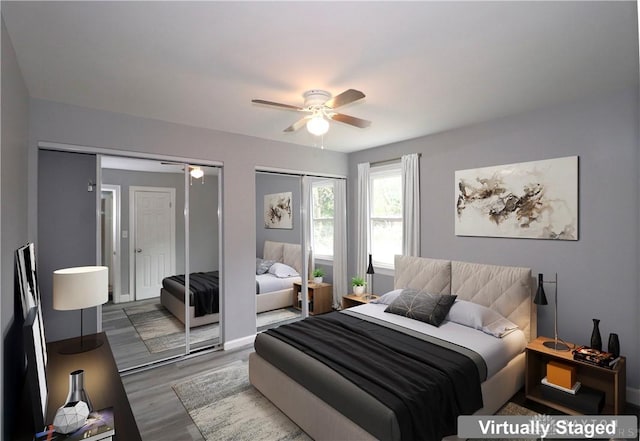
(326, 405)
(271, 292)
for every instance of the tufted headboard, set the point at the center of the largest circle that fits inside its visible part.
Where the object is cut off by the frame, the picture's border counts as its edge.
(287, 253)
(505, 289)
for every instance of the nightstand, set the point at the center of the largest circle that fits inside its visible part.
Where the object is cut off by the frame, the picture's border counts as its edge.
(319, 295)
(351, 300)
(611, 382)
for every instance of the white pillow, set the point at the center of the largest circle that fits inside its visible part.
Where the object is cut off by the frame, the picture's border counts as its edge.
(388, 298)
(480, 317)
(281, 270)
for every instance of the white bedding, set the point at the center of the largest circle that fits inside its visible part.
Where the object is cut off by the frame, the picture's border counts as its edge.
(269, 283)
(496, 352)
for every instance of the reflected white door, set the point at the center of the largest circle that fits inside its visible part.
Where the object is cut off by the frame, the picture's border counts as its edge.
(154, 239)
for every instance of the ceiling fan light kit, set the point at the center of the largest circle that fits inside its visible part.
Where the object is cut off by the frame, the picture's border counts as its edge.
(320, 106)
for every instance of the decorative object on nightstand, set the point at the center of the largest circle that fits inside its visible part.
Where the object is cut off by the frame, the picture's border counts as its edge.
(318, 273)
(370, 270)
(76, 389)
(541, 299)
(614, 345)
(71, 417)
(80, 288)
(358, 284)
(596, 339)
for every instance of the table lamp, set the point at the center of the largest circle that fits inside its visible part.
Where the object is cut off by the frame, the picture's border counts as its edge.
(541, 299)
(79, 288)
(371, 272)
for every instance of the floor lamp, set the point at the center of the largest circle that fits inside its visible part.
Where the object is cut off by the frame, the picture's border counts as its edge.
(541, 299)
(79, 288)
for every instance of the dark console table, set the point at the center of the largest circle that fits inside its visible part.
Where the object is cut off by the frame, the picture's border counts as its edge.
(101, 381)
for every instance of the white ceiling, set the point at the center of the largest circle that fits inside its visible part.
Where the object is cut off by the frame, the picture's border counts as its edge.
(424, 66)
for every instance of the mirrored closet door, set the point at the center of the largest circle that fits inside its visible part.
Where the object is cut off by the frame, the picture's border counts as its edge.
(300, 246)
(159, 223)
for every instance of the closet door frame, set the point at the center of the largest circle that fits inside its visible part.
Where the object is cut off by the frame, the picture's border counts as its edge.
(99, 152)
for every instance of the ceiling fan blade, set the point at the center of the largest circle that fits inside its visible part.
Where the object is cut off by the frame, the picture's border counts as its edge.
(271, 103)
(346, 97)
(352, 120)
(297, 125)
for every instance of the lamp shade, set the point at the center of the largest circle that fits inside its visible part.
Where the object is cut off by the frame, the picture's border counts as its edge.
(80, 287)
(370, 267)
(540, 298)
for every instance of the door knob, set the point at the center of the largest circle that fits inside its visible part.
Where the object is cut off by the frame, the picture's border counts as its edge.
(138, 250)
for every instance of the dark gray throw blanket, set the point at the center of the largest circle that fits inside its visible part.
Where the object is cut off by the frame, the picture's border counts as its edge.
(204, 288)
(426, 385)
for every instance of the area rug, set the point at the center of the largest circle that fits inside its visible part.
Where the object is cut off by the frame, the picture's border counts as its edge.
(225, 406)
(162, 331)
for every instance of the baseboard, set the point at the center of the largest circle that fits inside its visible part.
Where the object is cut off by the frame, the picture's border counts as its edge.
(239, 342)
(633, 396)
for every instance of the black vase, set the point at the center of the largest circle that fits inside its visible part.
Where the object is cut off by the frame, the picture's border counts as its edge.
(614, 345)
(596, 340)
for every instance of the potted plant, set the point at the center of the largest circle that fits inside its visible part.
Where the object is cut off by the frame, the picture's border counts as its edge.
(317, 275)
(358, 284)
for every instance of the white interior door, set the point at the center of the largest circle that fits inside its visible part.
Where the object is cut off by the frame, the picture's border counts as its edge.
(153, 238)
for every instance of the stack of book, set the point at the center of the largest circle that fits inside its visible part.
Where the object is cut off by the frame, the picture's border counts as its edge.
(561, 386)
(99, 427)
(595, 357)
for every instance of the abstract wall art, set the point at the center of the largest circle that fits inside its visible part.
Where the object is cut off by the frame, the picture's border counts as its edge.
(537, 200)
(278, 211)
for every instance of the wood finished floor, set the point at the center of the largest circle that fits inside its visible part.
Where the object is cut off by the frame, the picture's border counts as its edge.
(128, 349)
(158, 410)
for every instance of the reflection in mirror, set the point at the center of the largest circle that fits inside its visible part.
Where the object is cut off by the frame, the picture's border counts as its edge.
(203, 262)
(144, 231)
(279, 253)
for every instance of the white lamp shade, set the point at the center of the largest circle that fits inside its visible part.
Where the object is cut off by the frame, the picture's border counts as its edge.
(80, 287)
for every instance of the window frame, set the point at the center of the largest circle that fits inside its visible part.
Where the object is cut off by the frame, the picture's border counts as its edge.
(378, 172)
(323, 258)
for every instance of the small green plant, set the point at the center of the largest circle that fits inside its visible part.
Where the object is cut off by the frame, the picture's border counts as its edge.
(358, 281)
(318, 272)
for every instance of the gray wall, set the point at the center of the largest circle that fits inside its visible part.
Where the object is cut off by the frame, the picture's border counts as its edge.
(56, 122)
(269, 184)
(203, 226)
(13, 225)
(598, 274)
(66, 233)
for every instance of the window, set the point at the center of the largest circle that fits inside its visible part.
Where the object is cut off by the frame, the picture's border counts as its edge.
(385, 213)
(322, 219)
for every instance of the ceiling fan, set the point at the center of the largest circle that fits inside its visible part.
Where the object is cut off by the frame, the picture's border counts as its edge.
(320, 108)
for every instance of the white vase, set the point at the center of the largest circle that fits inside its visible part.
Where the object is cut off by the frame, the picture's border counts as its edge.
(317, 280)
(358, 290)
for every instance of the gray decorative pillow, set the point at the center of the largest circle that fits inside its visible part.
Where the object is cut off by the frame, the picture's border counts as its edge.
(262, 265)
(423, 306)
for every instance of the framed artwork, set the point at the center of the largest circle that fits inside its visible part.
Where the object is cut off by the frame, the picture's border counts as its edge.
(537, 200)
(277, 211)
(29, 287)
(35, 348)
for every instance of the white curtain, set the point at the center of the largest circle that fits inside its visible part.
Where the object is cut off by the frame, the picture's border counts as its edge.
(411, 204)
(362, 219)
(340, 286)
